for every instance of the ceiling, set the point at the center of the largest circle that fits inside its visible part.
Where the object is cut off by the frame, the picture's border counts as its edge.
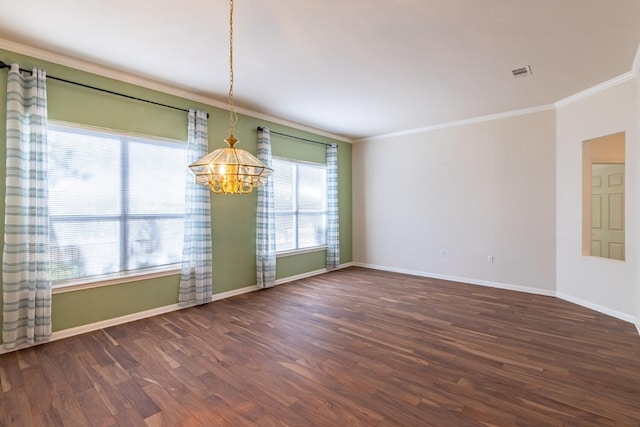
(354, 68)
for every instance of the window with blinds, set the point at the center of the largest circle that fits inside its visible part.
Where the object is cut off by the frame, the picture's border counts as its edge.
(300, 204)
(116, 203)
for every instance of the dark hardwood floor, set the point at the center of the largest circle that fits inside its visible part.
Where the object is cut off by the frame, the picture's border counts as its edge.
(348, 348)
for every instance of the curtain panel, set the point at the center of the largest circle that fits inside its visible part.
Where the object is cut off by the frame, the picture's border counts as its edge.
(196, 276)
(26, 278)
(265, 219)
(333, 220)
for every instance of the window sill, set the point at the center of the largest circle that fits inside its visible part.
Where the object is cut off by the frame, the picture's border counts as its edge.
(301, 251)
(72, 285)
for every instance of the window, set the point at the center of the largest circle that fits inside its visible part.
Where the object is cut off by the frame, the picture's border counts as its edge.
(116, 202)
(300, 204)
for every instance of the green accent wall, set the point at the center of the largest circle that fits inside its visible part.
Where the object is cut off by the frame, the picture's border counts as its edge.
(233, 217)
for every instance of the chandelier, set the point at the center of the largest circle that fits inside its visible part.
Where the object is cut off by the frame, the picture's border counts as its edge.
(230, 170)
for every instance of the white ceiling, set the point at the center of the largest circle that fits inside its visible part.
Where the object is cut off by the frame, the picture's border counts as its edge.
(355, 68)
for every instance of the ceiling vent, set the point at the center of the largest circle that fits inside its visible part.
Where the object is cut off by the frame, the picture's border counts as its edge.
(522, 71)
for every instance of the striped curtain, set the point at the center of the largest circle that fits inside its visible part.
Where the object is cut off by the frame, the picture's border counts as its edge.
(265, 219)
(333, 220)
(196, 277)
(26, 279)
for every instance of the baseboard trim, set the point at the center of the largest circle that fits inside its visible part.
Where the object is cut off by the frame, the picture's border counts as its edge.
(234, 292)
(599, 308)
(460, 279)
(311, 274)
(78, 330)
(91, 327)
(300, 276)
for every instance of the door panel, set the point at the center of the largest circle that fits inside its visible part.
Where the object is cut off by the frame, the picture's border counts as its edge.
(608, 211)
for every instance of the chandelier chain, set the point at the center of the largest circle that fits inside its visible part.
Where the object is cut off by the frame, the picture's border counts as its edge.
(230, 170)
(233, 117)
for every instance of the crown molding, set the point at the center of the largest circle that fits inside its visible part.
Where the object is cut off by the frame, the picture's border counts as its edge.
(596, 89)
(112, 73)
(635, 67)
(457, 123)
(558, 104)
(171, 90)
(635, 70)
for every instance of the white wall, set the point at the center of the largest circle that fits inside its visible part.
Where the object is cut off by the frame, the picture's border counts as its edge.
(607, 285)
(476, 190)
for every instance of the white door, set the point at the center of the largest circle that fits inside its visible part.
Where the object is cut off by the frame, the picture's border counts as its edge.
(607, 202)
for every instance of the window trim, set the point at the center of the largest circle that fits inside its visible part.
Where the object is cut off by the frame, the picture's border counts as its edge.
(124, 276)
(91, 282)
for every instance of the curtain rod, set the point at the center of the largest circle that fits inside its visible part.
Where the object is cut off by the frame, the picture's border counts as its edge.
(4, 65)
(296, 137)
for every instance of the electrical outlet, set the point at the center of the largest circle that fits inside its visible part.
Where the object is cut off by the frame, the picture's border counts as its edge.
(442, 253)
(490, 259)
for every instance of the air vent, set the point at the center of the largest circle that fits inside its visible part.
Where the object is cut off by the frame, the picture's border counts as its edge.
(522, 71)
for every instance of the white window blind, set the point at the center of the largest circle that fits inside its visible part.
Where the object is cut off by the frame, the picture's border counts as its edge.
(116, 202)
(300, 204)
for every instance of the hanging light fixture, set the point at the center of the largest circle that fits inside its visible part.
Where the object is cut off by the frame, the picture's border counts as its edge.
(230, 170)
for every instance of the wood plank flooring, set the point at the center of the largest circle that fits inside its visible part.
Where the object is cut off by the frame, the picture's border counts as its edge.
(354, 347)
